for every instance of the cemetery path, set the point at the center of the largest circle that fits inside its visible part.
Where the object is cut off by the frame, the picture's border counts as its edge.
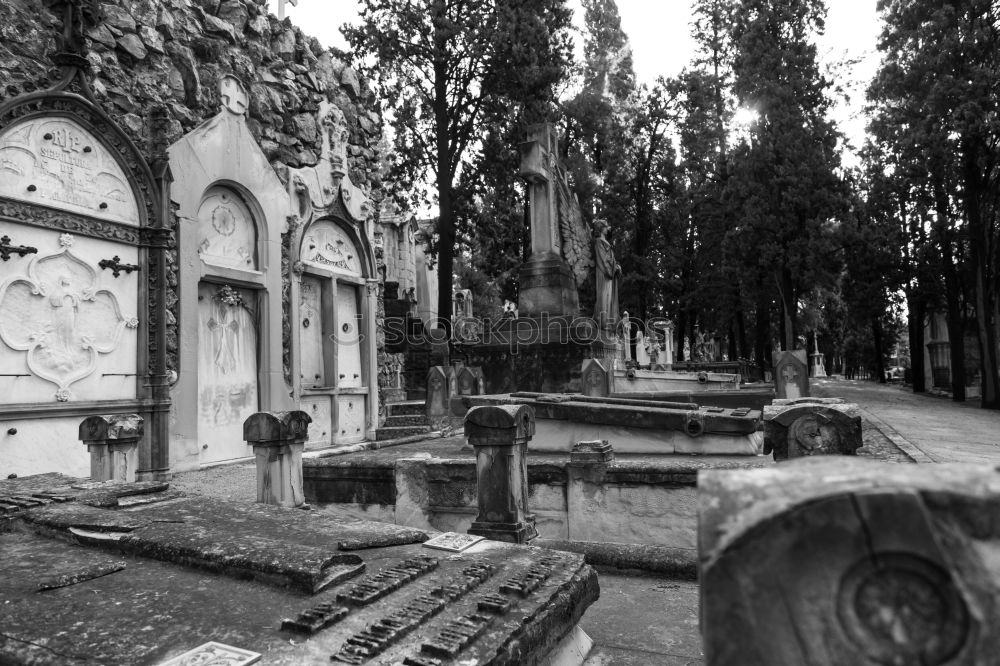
(928, 428)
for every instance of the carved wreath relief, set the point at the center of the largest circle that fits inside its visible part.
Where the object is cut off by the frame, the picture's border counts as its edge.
(903, 609)
(228, 234)
(56, 162)
(57, 316)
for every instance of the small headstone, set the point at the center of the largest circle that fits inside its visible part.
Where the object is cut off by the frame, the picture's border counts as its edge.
(811, 429)
(595, 378)
(438, 394)
(791, 374)
(470, 381)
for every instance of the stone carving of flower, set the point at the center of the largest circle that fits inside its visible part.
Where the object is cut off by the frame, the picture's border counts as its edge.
(132, 323)
(66, 240)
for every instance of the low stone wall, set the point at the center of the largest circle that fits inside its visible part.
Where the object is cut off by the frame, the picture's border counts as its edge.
(626, 503)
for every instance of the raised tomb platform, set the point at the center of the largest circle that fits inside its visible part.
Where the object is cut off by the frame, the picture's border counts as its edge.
(119, 573)
(647, 427)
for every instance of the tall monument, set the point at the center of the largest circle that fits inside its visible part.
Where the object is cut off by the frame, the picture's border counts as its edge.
(547, 284)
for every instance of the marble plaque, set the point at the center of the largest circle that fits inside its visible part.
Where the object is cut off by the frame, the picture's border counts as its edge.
(326, 244)
(60, 315)
(227, 234)
(453, 541)
(214, 654)
(55, 162)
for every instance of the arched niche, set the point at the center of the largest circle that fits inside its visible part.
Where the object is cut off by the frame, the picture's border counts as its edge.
(227, 230)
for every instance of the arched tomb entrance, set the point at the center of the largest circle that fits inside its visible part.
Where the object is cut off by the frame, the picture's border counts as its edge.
(335, 331)
(231, 211)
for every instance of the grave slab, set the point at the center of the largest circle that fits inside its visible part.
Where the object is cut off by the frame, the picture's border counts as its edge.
(404, 604)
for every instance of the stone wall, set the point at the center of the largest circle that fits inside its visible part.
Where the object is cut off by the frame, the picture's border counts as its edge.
(168, 55)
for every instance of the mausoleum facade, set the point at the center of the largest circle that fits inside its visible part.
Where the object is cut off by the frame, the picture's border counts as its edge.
(187, 203)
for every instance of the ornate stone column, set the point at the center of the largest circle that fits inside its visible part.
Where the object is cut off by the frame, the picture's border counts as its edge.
(499, 434)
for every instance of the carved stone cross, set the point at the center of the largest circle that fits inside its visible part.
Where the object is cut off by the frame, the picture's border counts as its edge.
(538, 156)
(233, 95)
(281, 7)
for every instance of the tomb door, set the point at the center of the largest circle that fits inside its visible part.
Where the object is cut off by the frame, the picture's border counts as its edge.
(311, 325)
(349, 373)
(227, 369)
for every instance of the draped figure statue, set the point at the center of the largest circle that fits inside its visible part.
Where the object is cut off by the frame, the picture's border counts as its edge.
(608, 274)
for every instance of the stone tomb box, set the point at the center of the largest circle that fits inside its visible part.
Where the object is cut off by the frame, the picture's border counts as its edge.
(297, 587)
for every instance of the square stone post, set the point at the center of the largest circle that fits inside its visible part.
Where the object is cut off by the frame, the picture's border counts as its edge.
(277, 439)
(499, 434)
(113, 443)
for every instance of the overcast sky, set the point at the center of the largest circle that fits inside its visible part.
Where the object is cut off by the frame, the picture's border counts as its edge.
(659, 31)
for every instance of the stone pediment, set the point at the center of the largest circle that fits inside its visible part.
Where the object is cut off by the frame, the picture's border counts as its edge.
(222, 149)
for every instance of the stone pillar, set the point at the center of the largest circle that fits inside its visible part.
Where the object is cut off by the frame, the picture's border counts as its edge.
(470, 381)
(833, 561)
(277, 439)
(499, 434)
(113, 443)
(439, 392)
(811, 427)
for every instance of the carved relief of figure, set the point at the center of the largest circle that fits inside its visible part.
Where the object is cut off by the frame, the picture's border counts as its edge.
(65, 305)
(608, 273)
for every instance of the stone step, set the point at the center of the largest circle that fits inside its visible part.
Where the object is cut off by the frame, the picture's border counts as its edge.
(407, 408)
(394, 420)
(416, 394)
(396, 432)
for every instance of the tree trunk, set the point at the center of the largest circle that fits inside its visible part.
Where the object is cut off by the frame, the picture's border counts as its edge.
(762, 330)
(679, 336)
(953, 292)
(789, 305)
(445, 172)
(879, 353)
(915, 324)
(981, 242)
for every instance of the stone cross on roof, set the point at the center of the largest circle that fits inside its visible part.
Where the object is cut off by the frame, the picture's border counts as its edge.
(281, 7)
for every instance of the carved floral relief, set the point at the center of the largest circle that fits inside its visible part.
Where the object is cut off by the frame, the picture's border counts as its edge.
(60, 319)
